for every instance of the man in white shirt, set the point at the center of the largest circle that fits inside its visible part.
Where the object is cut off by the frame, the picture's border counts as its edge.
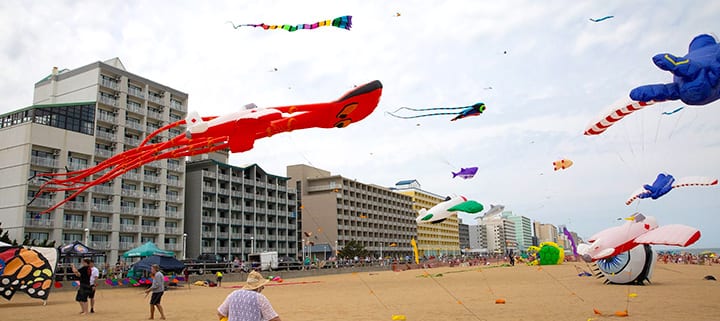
(94, 275)
(248, 304)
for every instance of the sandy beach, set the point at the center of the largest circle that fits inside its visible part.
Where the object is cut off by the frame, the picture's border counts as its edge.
(549, 293)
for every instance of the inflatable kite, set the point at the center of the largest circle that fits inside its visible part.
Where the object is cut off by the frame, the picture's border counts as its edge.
(30, 270)
(494, 210)
(695, 82)
(236, 131)
(548, 253)
(571, 239)
(465, 111)
(344, 22)
(562, 164)
(640, 229)
(631, 267)
(466, 173)
(601, 19)
(451, 205)
(666, 182)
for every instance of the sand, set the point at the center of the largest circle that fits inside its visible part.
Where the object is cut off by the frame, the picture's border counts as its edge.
(678, 292)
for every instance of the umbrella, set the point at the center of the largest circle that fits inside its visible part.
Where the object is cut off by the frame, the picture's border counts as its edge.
(166, 263)
(147, 249)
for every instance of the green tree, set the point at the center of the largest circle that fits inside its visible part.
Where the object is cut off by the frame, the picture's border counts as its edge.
(353, 249)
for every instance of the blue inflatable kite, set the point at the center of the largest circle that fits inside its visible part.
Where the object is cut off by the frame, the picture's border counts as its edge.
(696, 75)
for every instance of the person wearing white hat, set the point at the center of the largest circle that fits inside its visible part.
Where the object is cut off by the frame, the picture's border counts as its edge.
(248, 304)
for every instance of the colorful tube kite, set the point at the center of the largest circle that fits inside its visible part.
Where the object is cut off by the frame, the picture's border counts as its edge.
(236, 131)
(344, 22)
(466, 111)
(664, 183)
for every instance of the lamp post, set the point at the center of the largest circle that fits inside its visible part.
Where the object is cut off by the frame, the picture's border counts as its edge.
(252, 244)
(87, 236)
(381, 256)
(184, 245)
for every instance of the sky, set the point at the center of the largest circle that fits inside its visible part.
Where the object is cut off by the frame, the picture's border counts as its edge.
(551, 70)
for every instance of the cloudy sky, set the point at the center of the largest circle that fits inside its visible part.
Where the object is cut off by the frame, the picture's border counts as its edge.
(551, 71)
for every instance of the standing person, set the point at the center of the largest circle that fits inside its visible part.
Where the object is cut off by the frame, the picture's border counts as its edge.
(157, 288)
(94, 275)
(186, 273)
(218, 278)
(248, 304)
(84, 290)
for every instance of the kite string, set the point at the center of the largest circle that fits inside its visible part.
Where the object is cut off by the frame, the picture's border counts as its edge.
(455, 297)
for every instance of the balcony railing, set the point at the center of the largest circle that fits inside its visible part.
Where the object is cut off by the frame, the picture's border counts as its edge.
(39, 222)
(208, 249)
(151, 212)
(174, 104)
(236, 207)
(155, 98)
(136, 108)
(109, 101)
(172, 230)
(173, 198)
(129, 210)
(129, 228)
(223, 206)
(208, 189)
(130, 192)
(127, 245)
(77, 225)
(236, 193)
(223, 191)
(136, 92)
(102, 207)
(109, 84)
(131, 141)
(73, 205)
(102, 189)
(106, 135)
(173, 247)
(224, 177)
(155, 115)
(95, 226)
(108, 118)
(173, 182)
(43, 161)
(149, 229)
(236, 222)
(133, 176)
(41, 202)
(222, 249)
(134, 125)
(174, 167)
(208, 219)
(150, 195)
(100, 245)
(173, 214)
(208, 234)
(222, 235)
(103, 152)
(223, 220)
(208, 204)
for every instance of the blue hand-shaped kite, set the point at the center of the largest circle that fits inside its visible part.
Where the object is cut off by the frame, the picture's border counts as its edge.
(661, 186)
(696, 75)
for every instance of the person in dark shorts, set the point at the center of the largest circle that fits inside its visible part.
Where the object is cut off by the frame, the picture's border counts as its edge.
(218, 278)
(157, 288)
(85, 289)
(94, 275)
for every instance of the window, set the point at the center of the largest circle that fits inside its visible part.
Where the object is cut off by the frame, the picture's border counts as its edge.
(170, 224)
(127, 239)
(100, 219)
(146, 239)
(72, 237)
(38, 236)
(127, 221)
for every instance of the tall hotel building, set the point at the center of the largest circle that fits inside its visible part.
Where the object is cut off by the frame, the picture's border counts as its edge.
(433, 239)
(334, 209)
(79, 118)
(233, 211)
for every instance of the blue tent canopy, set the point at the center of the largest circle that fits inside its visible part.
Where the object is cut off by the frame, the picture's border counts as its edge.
(147, 249)
(166, 263)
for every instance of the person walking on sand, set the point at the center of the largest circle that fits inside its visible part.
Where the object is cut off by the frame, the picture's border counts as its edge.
(248, 304)
(157, 288)
(218, 278)
(83, 292)
(94, 275)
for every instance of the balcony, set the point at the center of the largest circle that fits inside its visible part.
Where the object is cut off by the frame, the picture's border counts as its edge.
(247, 181)
(76, 225)
(236, 249)
(222, 235)
(223, 220)
(155, 115)
(130, 192)
(271, 237)
(208, 249)
(137, 92)
(271, 212)
(224, 177)
(173, 214)
(135, 108)
(208, 204)
(173, 247)
(131, 141)
(272, 199)
(249, 195)
(210, 235)
(155, 98)
(223, 191)
(259, 224)
(223, 249)
(150, 195)
(151, 212)
(103, 152)
(172, 230)
(102, 189)
(132, 176)
(129, 210)
(282, 188)
(174, 167)
(208, 189)
(100, 245)
(152, 179)
(134, 125)
(156, 164)
(127, 246)
(260, 184)
(173, 198)
(73, 205)
(209, 174)
(109, 101)
(150, 229)
(96, 226)
(129, 228)
(208, 219)
(108, 118)
(236, 222)
(109, 84)
(44, 161)
(99, 207)
(223, 206)
(236, 193)
(39, 222)
(174, 104)
(41, 202)
(236, 207)
(282, 238)
(173, 182)
(271, 224)
(151, 129)
(248, 209)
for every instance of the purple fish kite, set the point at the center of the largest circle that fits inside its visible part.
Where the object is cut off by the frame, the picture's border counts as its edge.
(572, 241)
(466, 173)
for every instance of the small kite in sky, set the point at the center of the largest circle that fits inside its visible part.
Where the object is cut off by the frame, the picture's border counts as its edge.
(397, 14)
(344, 22)
(562, 164)
(494, 210)
(466, 173)
(466, 111)
(672, 112)
(602, 19)
(664, 183)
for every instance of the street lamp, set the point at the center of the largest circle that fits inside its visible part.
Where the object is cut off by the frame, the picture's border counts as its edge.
(252, 244)
(381, 248)
(87, 236)
(184, 245)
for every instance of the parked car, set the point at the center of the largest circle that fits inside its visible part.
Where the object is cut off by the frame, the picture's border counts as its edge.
(289, 263)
